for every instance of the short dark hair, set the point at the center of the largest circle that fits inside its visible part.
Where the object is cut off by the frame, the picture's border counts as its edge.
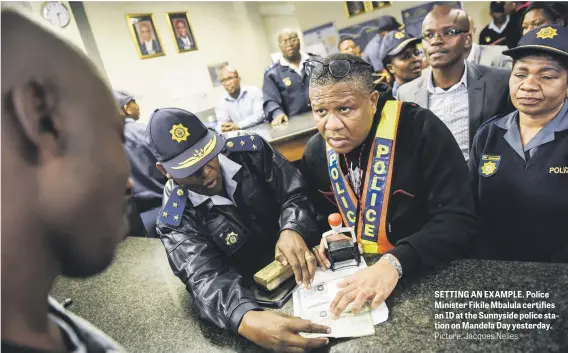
(345, 40)
(359, 75)
(560, 59)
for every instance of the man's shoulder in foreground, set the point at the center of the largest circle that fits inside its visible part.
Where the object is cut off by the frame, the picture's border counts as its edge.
(406, 91)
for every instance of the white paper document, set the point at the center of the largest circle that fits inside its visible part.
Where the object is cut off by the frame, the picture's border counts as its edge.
(314, 304)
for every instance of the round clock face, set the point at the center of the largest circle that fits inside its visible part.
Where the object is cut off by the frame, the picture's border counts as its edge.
(56, 13)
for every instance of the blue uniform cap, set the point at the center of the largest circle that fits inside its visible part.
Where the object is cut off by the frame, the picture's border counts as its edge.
(548, 38)
(123, 98)
(395, 42)
(181, 142)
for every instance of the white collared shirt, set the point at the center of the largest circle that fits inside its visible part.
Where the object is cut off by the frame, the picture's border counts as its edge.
(229, 169)
(149, 47)
(245, 111)
(298, 69)
(494, 27)
(186, 42)
(452, 107)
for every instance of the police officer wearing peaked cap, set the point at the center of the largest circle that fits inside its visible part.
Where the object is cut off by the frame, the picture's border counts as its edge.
(519, 161)
(401, 58)
(227, 206)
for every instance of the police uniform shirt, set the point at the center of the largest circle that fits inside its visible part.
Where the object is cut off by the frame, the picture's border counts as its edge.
(522, 192)
(285, 90)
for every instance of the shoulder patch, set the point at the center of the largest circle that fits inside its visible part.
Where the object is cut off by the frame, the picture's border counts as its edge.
(244, 143)
(172, 212)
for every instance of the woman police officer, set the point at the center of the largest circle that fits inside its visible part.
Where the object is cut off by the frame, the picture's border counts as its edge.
(519, 162)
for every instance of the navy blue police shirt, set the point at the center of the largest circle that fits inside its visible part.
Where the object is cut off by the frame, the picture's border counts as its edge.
(521, 192)
(285, 91)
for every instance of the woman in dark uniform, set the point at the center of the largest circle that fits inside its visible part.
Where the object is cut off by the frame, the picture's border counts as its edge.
(519, 161)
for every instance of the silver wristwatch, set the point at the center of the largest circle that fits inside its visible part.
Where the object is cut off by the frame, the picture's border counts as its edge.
(394, 262)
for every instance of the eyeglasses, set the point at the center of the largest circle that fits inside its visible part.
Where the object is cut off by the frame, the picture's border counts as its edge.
(446, 33)
(227, 79)
(337, 68)
(291, 40)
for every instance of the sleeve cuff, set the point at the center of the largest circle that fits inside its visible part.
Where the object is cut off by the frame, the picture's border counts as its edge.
(275, 113)
(408, 257)
(239, 312)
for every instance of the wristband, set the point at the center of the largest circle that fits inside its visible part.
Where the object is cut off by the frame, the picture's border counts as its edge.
(394, 262)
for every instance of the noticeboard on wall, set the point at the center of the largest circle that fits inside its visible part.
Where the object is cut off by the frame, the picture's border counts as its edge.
(413, 17)
(321, 40)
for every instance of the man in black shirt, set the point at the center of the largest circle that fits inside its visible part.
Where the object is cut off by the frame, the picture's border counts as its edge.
(494, 32)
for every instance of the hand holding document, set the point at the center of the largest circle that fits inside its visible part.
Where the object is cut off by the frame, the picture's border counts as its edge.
(313, 305)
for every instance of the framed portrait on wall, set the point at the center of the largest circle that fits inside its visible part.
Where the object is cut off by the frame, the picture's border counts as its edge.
(181, 30)
(354, 8)
(375, 5)
(145, 35)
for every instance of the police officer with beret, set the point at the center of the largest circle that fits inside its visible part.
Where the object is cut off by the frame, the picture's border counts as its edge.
(401, 58)
(285, 87)
(519, 161)
(227, 206)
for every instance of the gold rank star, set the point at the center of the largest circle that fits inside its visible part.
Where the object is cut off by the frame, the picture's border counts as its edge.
(243, 142)
(254, 147)
(165, 214)
(252, 138)
(180, 192)
(175, 204)
(176, 218)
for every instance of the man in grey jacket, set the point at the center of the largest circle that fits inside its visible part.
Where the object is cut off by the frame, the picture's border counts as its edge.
(463, 95)
(488, 55)
(65, 179)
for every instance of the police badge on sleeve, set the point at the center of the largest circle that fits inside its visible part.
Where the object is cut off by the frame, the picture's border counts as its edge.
(489, 165)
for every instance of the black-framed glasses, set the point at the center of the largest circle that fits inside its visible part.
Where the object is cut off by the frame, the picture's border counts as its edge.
(446, 33)
(337, 68)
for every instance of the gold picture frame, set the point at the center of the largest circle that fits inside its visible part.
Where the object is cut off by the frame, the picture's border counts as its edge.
(376, 5)
(143, 25)
(354, 8)
(178, 23)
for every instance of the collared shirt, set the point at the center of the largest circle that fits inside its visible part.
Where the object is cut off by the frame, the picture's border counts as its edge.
(229, 169)
(395, 87)
(452, 107)
(297, 69)
(545, 135)
(186, 42)
(494, 27)
(149, 47)
(245, 111)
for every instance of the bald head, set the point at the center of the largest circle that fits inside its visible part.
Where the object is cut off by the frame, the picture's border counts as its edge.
(446, 38)
(444, 12)
(56, 111)
(289, 44)
(472, 28)
(231, 81)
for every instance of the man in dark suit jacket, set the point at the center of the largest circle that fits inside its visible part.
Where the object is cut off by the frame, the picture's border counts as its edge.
(462, 95)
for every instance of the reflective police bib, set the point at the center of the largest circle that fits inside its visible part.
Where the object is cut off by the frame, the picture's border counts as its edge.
(371, 222)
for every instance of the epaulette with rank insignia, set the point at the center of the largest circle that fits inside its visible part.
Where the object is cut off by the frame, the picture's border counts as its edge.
(244, 143)
(172, 212)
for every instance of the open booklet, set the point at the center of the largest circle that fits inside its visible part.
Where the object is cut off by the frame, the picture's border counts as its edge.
(313, 305)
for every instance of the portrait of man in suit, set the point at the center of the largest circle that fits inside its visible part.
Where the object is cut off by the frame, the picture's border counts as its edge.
(182, 32)
(145, 35)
